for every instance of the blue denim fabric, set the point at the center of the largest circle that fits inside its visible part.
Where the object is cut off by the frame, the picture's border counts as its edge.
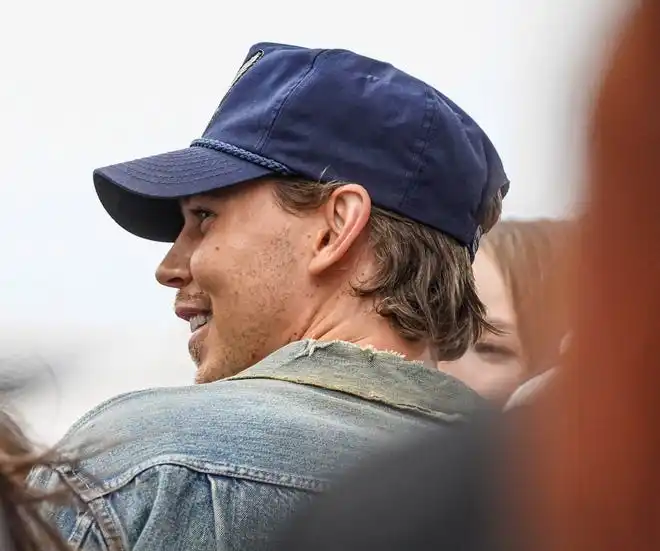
(223, 465)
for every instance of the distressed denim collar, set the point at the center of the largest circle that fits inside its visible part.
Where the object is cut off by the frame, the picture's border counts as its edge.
(370, 374)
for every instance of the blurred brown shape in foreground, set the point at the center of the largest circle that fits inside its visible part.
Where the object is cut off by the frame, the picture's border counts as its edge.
(602, 461)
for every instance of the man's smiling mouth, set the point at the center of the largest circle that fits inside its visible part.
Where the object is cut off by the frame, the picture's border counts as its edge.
(199, 320)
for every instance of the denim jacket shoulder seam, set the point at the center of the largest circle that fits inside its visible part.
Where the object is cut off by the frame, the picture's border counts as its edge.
(88, 489)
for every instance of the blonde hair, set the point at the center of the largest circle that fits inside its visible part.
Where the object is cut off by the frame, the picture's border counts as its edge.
(532, 256)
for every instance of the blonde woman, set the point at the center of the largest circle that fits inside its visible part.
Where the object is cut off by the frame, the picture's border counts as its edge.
(519, 270)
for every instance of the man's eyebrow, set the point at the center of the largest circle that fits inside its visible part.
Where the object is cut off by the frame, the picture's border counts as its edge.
(213, 194)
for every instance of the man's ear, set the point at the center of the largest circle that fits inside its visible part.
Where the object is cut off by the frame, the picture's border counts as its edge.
(346, 215)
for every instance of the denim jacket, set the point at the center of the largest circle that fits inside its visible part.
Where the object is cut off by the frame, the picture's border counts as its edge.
(223, 465)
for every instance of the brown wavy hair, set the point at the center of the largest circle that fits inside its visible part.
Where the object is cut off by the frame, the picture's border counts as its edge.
(21, 526)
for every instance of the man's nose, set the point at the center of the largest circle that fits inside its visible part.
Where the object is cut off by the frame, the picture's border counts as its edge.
(174, 270)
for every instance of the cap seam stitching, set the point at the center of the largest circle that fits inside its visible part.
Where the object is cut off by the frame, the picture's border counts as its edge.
(428, 123)
(312, 67)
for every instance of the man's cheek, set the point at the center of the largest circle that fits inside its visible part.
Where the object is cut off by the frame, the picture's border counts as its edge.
(205, 270)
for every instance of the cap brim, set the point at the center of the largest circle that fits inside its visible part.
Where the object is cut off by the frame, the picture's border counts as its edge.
(142, 195)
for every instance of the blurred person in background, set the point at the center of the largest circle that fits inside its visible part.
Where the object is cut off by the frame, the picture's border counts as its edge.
(322, 242)
(520, 271)
(21, 526)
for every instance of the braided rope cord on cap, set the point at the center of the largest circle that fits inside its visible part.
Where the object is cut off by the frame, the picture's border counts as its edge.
(241, 153)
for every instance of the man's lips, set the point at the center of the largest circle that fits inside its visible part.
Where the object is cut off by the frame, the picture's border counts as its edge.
(196, 315)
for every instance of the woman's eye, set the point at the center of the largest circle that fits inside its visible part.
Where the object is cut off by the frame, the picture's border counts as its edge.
(494, 351)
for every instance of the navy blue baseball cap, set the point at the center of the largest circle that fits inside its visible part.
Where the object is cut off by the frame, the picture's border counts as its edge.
(323, 115)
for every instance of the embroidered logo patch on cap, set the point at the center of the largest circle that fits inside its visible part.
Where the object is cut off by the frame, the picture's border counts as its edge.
(246, 66)
(249, 63)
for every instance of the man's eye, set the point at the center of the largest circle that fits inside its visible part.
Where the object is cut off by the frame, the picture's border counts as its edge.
(201, 214)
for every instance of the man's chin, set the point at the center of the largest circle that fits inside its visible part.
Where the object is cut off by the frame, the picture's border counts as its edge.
(209, 371)
(204, 374)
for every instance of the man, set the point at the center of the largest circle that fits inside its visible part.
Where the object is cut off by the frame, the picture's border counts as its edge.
(323, 229)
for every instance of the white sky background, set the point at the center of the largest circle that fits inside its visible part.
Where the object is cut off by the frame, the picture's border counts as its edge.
(85, 84)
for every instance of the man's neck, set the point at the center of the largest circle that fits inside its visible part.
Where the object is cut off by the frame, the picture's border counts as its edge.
(356, 321)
